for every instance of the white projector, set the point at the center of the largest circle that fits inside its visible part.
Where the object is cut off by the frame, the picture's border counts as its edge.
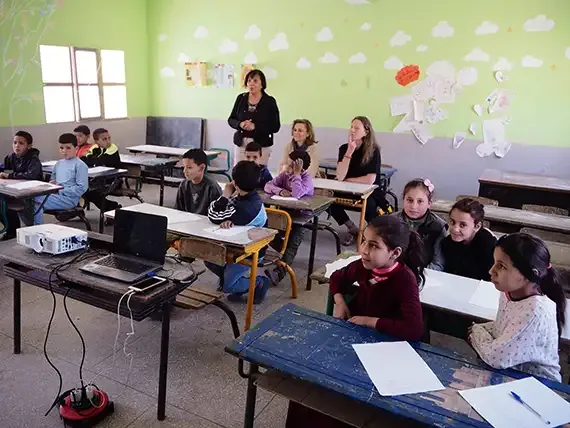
(52, 238)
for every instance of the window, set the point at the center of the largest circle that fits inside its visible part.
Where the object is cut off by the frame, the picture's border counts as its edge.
(81, 84)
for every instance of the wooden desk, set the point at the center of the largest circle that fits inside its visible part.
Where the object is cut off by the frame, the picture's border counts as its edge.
(24, 265)
(7, 189)
(317, 349)
(168, 151)
(313, 205)
(513, 189)
(239, 247)
(556, 223)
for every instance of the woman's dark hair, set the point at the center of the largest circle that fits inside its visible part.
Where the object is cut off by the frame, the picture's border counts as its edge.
(396, 233)
(531, 257)
(303, 155)
(419, 183)
(252, 73)
(472, 207)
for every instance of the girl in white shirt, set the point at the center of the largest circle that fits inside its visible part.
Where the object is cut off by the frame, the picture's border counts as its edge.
(530, 319)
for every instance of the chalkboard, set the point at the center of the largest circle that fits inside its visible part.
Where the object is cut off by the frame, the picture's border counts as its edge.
(175, 131)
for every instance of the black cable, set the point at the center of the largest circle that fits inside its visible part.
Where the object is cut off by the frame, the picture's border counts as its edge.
(80, 337)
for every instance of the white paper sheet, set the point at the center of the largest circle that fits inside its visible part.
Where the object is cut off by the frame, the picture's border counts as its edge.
(484, 150)
(502, 102)
(284, 198)
(339, 264)
(49, 163)
(473, 129)
(478, 108)
(425, 89)
(27, 184)
(458, 139)
(433, 113)
(492, 96)
(494, 132)
(501, 151)
(500, 77)
(444, 92)
(232, 231)
(400, 105)
(419, 109)
(405, 124)
(98, 169)
(395, 368)
(421, 132)
(173, 216)
(486, 296)
(498, 407)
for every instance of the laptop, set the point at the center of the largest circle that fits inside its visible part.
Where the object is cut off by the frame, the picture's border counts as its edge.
(139, 247)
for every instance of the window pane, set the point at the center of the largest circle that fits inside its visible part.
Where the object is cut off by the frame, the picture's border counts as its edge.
(55, 63)
(113, 66)
(58, 102)
(86, 64)
(115, 99)
(89, 104)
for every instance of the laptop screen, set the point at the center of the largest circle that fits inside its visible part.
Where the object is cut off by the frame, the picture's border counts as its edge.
(140, 234)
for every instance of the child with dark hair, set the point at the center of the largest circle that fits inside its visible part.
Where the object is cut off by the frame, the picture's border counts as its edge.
(253, 153)
(239, 205)
(83, 133)
(531, 314)
(418, 195)
(468, 249)
(295, 181)
(22, 164)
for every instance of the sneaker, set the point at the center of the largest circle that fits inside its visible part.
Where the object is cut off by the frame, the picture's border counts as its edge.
(275, 275)
(236, 297)
(261, 290)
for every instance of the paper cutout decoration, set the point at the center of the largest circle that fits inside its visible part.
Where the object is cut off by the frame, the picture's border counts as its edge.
(400, 38)
(500, 77)
(250, 58)
(407, 75)
(224, 75)
(253, 33)
(441, 68)
(358, 58)
(484, 150)
(366, 26)
(531, 62)
(401, 105)
(478, 108)
(492, 96)
(245, 68)
(325, 35)
(279, 43)
(477, 55)
(473, 129)
(421, 132)
(303, 63)
(487, 27)
(328, 58)
(228, 46)
(502, 102)
(539, 23)
(458, 139)
(393, 63)
(195, 74)
(405, 124)
(442, 30)
(467, 76)
(270, 73)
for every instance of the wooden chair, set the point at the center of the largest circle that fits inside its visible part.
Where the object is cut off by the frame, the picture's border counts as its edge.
(134, 172)
(222, 170)
(547, 235)
(545, 209)
(481, 199)
(280, 220)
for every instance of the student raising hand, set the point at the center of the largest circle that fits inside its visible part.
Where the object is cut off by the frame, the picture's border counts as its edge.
(297, 167)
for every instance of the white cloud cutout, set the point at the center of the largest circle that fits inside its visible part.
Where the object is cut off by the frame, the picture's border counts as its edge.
(366, 26)
(325, 35)
(530, 61)
(167, 72)
(250, 58)
(502, 64)
(400, 38)
(201, 32)
(539, 23)
(270, 73)
(443, 30)
(253, 33)
(162, 37)
(357, 2)
(182, 57)
(568, 52)
(421, 48)
(328, 58)
(358, 58)
(279, 43)
(477, 55)
(303, 63)
(228, 46)
(393, 63)
(487, 27)
(467, 76)
(442, 69)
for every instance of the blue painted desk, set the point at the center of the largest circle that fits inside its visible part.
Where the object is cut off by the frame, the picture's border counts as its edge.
(313, 347)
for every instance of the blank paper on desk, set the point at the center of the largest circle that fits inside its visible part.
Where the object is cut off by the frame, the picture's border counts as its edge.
(395, 368)
(486, 296)
(499, 408)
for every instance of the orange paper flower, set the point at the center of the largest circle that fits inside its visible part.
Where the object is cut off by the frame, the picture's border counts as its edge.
(408, 74)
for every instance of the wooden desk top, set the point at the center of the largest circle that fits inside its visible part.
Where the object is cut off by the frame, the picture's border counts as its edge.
(316, 348)
(92, 172)
(544, 221)
(165, 150)
(531, 181)
(7, 189)
(187, 224)
(313, 204)
(343, 186)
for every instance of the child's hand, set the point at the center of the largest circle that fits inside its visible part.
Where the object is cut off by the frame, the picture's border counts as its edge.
(52, 182)
(4, 175)
(229, 189)
(341, 311)
(298, 167)
(285, 193)
(226, 224)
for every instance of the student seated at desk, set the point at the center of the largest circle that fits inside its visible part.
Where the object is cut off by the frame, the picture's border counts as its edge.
(468, 249)
(295, 181)
(24, 164)
(69, 172)
(303, 139)
(359, 162)
(418, 195)
(253, 153)
(83, 134)
(531, 314)
(239, 205)
(102, 153)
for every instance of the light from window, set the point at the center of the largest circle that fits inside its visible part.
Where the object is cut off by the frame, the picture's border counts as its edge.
(115, 101)
(59, 105)
(56, 64)
(113, 66)
(86, 64)
(89, 102)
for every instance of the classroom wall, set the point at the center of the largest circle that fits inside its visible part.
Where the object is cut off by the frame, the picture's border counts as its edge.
(329, 60)
(108, 24)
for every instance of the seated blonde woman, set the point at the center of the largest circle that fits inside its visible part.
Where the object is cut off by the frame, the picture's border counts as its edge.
(303, 139)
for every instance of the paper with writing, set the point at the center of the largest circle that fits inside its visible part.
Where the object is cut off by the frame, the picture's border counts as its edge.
(232, 231)
(400, 105)
(421, 132)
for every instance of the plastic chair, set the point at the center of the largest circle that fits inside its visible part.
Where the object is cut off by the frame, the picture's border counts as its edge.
(225, 171)
(545, 209)
(483, 200)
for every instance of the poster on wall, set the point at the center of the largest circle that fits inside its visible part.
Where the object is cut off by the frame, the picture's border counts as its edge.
(245, 68)
(224, 75)
(195, 74)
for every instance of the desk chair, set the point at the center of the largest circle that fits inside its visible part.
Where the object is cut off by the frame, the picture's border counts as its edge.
(545, 209)
(134, 172)
(222, 170)
(68, 214)
(483, 200)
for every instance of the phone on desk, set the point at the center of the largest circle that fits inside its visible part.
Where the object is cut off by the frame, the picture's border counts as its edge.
(147, 284)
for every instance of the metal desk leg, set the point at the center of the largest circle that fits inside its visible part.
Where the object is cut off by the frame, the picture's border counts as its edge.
(102, 215)
(312, 251)
(163, 365)
(17, 316)
(251, 292)
(161, 197)
(361, 225)
(250, 397)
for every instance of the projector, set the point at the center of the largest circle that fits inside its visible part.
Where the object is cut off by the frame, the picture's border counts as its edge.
(52, 238)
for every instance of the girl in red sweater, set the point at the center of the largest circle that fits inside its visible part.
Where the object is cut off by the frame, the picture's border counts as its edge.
(383, 286)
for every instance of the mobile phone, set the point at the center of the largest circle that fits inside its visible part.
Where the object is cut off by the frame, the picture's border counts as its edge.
(147, 284)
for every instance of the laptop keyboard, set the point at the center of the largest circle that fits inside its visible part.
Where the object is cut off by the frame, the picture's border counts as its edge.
(124, 265)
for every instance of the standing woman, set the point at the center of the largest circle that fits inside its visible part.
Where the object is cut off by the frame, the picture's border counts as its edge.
(359, 162)
(303, 139)
(255, 117)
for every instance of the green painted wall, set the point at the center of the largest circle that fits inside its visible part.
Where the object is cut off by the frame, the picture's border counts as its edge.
(108, 24)
(331, 94)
